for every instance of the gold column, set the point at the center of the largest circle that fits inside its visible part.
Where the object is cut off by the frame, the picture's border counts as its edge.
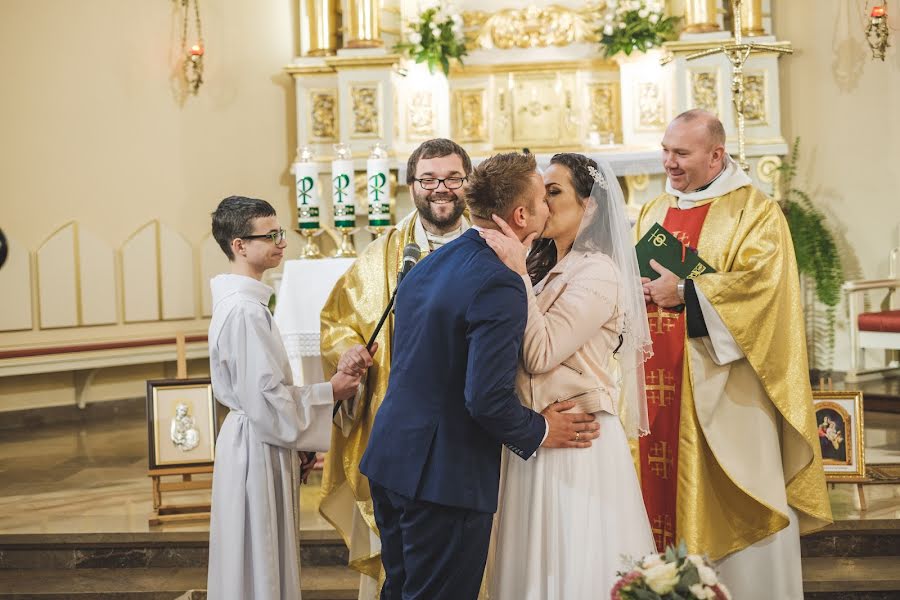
(751, 17)
(363, 24)
(700, 16)
(318, 27)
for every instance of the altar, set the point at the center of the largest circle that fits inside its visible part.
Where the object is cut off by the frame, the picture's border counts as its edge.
(535, 77)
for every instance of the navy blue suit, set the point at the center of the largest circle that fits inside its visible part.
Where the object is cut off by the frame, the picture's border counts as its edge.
(433, 458)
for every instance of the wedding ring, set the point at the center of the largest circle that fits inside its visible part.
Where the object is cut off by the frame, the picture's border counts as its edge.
(577, 436)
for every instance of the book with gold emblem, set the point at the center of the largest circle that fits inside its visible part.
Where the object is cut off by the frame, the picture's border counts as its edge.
(659, 244)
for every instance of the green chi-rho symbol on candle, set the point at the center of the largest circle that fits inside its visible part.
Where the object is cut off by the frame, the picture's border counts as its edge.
(376, 186)
(341, 185)
(304, 187)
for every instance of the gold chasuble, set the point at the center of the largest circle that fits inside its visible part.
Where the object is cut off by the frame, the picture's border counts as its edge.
(747, 446)
(349, 317)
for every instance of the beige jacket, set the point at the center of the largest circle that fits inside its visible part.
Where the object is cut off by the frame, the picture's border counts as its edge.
(573, 327)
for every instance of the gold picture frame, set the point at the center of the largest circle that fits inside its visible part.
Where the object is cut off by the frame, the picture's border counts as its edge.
(181, 423)
(839, 423)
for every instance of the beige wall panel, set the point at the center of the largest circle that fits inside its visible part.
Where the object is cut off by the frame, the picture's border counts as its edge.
(176, 275)
(57, 279)
(98, 280)
(140, 275)
(212, 263)
(15, 281)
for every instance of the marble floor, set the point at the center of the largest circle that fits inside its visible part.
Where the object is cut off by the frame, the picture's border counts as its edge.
(92, 478)
(76, 478)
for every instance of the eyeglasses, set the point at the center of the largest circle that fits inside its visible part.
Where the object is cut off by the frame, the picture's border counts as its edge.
(451, 183)
(276, 236)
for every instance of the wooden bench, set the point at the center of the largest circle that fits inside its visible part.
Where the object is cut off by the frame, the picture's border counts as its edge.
(85, 359)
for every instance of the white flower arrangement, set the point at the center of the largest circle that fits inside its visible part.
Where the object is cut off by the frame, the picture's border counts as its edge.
(436, 37)
(631, 25)
(675, 574)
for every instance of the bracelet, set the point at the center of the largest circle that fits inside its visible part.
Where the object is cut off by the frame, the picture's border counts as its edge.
(679, 289)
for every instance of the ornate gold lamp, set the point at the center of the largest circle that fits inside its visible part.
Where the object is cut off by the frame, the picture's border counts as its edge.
(343, 199)
(877, 31)
(306, 174)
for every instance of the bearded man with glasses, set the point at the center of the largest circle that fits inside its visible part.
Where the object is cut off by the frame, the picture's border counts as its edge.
(436, 174)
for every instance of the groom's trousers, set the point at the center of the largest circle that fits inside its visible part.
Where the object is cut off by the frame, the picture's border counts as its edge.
(430, 551)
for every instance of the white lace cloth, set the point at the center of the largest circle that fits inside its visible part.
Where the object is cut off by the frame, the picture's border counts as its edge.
(305, 286)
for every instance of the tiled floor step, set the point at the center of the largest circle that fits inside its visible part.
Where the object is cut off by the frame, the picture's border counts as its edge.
(318, 583)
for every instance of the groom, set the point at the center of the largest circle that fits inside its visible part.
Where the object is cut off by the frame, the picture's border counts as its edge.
(433, 458)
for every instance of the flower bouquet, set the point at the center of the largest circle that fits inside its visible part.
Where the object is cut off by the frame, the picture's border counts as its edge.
(675, 575)
(635, 25)
(436, 37)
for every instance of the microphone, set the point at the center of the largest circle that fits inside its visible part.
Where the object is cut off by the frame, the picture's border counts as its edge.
(411, 255)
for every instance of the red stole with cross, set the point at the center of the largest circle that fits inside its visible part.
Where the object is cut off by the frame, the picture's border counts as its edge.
(663, 374)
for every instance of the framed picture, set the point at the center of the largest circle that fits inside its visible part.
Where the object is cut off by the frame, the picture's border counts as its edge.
(839, 421)
(181, 423)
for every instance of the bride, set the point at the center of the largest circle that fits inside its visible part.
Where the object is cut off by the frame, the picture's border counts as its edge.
(568, 517)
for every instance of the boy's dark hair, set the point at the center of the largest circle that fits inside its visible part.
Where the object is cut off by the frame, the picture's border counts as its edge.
(498, 183)
(436, 148)
(233, 218)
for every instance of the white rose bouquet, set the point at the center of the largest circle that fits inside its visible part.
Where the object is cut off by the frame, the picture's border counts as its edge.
(631, 25)
(675, 575)
(436, 37)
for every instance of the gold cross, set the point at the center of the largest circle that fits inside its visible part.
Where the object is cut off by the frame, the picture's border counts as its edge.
(664, 320)
(656, 392)
(659, 459)
(662, 531)
(737, 54)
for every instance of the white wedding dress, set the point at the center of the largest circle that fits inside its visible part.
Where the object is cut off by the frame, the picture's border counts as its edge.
(566, 520)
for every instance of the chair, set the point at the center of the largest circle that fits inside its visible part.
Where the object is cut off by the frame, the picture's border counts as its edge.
(879, 329)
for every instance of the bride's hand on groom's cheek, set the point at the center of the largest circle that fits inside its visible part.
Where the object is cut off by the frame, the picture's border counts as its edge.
(569, 430)
(507, 246)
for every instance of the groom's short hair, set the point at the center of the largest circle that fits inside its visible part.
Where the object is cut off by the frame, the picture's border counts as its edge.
(498, 184)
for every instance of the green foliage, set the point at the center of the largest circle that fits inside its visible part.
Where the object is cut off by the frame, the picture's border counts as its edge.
(435, 40)
(817, 253)
(636, 25)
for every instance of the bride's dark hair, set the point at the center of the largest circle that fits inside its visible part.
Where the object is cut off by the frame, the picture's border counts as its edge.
(542, 257)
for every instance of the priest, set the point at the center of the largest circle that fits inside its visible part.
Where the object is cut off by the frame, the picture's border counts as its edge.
(732, 465)
(436, 173)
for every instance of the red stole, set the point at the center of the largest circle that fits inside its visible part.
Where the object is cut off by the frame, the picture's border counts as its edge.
(663, 374)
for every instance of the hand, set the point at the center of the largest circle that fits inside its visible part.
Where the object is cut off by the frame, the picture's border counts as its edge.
(662, 290)
(356, 360)
(644, 281)
(344, 386)
(572, 430)
(506, 244)
(307, 464)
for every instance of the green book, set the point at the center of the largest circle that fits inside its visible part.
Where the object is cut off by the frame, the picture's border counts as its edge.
(659, 244)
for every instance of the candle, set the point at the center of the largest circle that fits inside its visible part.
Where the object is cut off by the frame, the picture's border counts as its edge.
(377, 188)
(196, 50)
(307, 191)
(342, 188)
(877, 11)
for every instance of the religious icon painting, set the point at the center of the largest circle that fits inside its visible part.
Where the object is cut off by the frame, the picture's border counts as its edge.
(181, 423)
(839, 424)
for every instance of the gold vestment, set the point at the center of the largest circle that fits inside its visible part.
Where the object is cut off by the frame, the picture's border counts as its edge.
(349, 317)
(725, 500)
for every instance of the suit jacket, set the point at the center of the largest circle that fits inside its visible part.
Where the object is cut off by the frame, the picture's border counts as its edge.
(459, 319)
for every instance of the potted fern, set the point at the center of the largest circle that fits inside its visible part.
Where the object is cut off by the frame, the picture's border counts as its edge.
(818, 261)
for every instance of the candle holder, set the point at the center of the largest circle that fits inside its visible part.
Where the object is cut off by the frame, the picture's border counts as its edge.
(343, 195)
(877, 32)
(306, 175)
(378, 190)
